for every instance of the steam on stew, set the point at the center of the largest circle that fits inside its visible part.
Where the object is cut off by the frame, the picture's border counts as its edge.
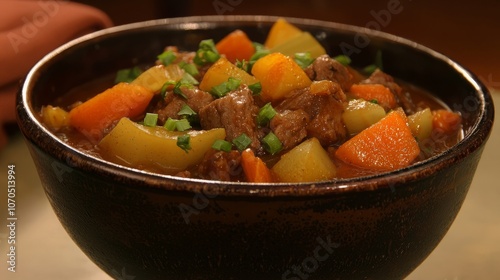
(283, 111)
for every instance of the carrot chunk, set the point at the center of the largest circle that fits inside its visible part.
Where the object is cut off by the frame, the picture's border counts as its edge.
(375, 92)
(387, 145)
(93, 116)
(444, 121)
(254, 168)
(236, 46)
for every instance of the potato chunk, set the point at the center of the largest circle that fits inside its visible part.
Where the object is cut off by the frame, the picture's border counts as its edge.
(221, 71)
(279, 75)
(360, 114)
(307, 162)
(155, 148)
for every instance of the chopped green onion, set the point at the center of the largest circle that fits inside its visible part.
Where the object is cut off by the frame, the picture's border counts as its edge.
(183, 142)
(377, 64)
(190, 68)
(271, 143)
(188, 79)
(170, 124)
(244, 65)
(260, 51)
(150, 119)
(370, 69)
(226, 87)
(343, 59)
(266, 113)
(186, 111)
(179, 125)
(206, 53)
(242, 142)
(374, 101)
(177, 89)
(303, 59)
(189, 114)
(127, 75)
(219, 90)
(167, 57)
(222, 145)
(182, 125)
(164, 88)
(255, 88)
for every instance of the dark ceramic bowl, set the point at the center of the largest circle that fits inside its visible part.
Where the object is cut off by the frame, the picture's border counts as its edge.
(148, 226)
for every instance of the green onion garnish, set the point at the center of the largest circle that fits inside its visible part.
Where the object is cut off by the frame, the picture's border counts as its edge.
(206, 53)
(226, 87)
(370, 69)
(170, 124)
(165, 87)
(182, 125)
(179, 125)
(150, 119)
(183, 142)
(260, 51)
(343, 59)
(271, 143)
(242, 142)
(190, 68)
(377, 64)
(186, 111)
(303, 59)
(222, 145)
(255, 88)
(167, 57)
(266, 113)
(127, 75)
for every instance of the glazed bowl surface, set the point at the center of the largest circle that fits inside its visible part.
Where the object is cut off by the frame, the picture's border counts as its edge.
(150, 226)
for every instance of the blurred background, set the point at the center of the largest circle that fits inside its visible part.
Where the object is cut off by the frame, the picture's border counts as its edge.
(467, 31)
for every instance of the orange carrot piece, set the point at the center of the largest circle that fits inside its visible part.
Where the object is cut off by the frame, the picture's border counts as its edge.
(93, 116)
(387, 145)
(375, 92)
(445, 121)
(254, 168)
(236, 46)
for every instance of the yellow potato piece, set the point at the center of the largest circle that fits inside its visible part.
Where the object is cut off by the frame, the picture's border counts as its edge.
(155, 77)
(279, 75)
(303, 43)
(307, 162)
(280, 32)
(221, 71)
(360, 114)
(155, 148)
(421, 124)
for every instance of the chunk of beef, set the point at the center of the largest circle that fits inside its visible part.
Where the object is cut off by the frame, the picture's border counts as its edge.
(236, 113)
(219, 165)
(324, 111)
(290, 127)
(327, 68)
(403, 99)
(172, 104)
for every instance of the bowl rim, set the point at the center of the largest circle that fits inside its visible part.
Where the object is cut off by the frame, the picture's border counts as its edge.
(35, 131)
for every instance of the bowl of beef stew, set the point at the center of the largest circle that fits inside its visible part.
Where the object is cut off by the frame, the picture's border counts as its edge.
(207, 147)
